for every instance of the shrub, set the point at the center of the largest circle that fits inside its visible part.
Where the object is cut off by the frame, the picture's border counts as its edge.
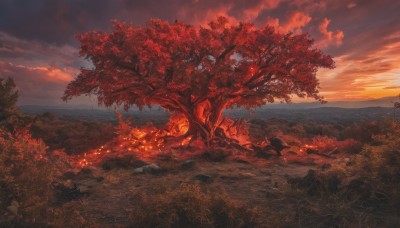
(364, 131)
(327, 144)
(315, 128)
(328, 199)
(367, 194)
(27, 174)
(75, 136)
(381, 159)
(189, 206)
(316, 184)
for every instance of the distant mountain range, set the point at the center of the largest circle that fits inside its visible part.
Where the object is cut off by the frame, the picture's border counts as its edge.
(381, 102)
(332, 111)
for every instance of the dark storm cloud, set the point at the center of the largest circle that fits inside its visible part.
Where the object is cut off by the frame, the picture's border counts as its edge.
(366, 24)
(57, 21)
(53, 21)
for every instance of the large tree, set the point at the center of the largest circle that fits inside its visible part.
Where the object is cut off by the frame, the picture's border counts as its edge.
(197, 71)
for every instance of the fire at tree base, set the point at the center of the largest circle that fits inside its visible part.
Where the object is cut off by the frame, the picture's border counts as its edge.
(149, 142)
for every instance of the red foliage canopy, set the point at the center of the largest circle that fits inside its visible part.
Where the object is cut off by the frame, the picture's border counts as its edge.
(197, 71)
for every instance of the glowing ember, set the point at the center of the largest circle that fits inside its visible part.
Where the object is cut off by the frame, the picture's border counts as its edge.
(307, 146)
(145, 142)
(149, 141)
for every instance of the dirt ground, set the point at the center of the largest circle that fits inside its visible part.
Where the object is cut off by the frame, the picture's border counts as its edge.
(111, 193)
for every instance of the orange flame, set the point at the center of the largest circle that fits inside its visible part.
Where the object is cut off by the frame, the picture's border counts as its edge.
(144, 142)
(149, 141)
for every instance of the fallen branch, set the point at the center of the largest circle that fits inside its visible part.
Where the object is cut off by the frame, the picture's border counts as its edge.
(316, 152)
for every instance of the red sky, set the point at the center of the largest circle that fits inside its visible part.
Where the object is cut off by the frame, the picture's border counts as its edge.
(38, 48)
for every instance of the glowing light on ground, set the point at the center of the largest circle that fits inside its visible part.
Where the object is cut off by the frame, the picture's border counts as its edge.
(148, 142)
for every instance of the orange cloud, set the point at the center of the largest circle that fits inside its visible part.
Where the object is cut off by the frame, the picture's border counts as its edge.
(295, 22)
(329, 37)
(52, 73)
(39, 84)
(254, 11)
(374, 75)
(201, 12)
(392, 87)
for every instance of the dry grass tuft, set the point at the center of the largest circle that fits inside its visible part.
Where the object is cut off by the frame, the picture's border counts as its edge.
(189, 206)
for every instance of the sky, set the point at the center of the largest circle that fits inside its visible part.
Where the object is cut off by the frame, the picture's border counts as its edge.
(39, 50)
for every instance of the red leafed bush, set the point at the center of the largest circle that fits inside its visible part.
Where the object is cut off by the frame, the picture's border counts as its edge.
(328, 144)
(26, 176)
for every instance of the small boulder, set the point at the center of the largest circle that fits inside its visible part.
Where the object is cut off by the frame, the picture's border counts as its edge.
(13, 208)
(66, 191)
(148, 169)
(312, 151)
(125, 162)
(138, 170)
(152, 168)
(188, 164)
(265, 154)
(278, 144)
(248, 174)
(325, 166)
(203, 178)
(217, 155)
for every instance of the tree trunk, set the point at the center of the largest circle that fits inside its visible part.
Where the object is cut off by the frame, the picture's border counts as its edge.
(204, 120)
(203, 117)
